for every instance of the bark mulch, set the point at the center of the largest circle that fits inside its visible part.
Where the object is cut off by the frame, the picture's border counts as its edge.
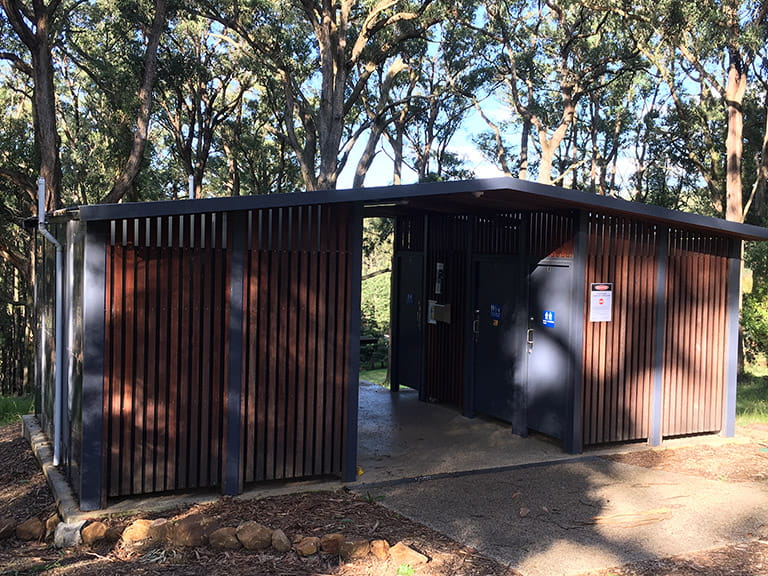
(24, 493)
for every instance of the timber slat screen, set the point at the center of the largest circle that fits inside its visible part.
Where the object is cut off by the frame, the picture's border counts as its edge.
(296, 341)
(695, 350)
(168, 341)
(444, 342)
(550, 236)
(166, 338)
(618, 356)
(498, 235)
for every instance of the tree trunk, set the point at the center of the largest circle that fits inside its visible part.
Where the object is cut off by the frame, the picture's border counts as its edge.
(524, 136)
(124, 184)
(37, 40)
(734, 97)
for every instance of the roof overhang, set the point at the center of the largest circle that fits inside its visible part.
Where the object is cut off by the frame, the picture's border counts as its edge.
(482, 197)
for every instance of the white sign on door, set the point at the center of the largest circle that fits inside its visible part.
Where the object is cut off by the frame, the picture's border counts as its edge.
(601, 302)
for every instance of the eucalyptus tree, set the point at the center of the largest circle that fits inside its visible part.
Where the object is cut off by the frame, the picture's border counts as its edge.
(704, 53)
(550, 56)
(35, 26)
(318, 59)
(202, 85)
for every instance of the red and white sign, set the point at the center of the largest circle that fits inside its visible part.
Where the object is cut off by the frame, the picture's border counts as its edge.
(600, 302)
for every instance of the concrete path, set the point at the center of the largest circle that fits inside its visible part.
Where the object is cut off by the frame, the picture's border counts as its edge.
(569, 518)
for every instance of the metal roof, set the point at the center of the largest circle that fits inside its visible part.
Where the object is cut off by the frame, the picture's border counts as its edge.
(487, 196)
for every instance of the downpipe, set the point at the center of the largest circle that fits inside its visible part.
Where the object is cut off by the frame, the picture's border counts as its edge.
(58, 383)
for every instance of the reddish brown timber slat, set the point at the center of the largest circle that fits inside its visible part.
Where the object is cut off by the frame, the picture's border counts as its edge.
(617, 355)
(139, 399)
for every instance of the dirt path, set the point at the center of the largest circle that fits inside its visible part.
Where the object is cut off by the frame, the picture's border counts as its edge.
(580, 517)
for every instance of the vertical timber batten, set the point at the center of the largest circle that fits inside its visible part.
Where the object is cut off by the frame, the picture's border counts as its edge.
(736, 248)
(92, 478)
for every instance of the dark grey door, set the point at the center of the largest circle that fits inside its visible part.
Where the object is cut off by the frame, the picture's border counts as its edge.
(550, 358)
(410, 311)
(498, 329)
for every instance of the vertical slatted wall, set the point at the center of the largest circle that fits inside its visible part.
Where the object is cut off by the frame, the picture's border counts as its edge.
(498, 235)
(296, 341)
(409, 233)
(444, 357)
(695, 343)
(166, 330)
(618, 355)
(550, 236)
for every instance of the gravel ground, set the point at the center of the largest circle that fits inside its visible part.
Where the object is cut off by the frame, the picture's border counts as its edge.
(23, 493)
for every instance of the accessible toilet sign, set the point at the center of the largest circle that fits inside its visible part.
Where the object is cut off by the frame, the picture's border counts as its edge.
(601, 302)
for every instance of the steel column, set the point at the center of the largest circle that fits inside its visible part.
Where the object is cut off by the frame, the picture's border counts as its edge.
(349, 458)
(92, 492)
(657, 394)
(232, 482)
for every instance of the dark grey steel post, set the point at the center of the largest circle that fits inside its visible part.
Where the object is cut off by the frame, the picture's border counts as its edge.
(468, 409)
(657, 394)
(232, 483)
(423, 319)
(732, 326)
(92, 480)
(394, 320)
(572, 433)
(349, 465)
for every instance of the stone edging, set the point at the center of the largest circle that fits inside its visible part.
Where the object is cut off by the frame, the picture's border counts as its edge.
(66, 502)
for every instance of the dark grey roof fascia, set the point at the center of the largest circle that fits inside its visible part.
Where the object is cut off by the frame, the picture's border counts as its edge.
(379, 195)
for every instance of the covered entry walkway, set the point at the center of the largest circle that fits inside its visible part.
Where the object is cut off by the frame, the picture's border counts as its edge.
(402, 438)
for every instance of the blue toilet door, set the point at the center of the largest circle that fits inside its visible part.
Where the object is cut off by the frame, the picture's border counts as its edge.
(550, 357)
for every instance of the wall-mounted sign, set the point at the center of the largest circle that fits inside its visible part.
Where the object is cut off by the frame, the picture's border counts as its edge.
(601, 302)
(495, 314)
(548, 318)
(439, 278)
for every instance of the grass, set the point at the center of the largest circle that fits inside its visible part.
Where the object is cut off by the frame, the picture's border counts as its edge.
(377, 376)
(752, 395)
(12, 408)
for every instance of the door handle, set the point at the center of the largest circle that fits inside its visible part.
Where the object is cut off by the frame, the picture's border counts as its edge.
(476, 325)
(529, 340)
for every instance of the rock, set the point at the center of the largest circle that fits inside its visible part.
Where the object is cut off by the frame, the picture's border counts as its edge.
(68, 535)
(354, 549)
(7, 528)
(402, 554)
(159, 530)
(331, 543)
(254, 536)
(32, 529)
(380, 549)
(50, 525)
(225, 538)
(93, 533)
(280, 541)
(308, 546)
(524, 512)
(137, 531)
(190, 531)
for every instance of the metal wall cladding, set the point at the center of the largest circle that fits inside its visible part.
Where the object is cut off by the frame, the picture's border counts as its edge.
(618, 356)
(168, 313)
(695, 342)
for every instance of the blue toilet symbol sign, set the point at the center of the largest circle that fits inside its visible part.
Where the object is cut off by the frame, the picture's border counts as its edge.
(548, 318)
